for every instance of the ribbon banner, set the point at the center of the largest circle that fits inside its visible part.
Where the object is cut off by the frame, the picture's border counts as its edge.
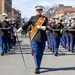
(34, 31)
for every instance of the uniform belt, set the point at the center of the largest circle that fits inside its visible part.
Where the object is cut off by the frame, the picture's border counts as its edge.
(64, 29)
(4, 28)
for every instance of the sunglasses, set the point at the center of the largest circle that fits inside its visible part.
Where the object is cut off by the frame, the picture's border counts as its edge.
(39, 9)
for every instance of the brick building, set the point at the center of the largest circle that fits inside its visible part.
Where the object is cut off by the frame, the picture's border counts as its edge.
(16, 14)
(6, 7)
(61, 10)
(64, 10)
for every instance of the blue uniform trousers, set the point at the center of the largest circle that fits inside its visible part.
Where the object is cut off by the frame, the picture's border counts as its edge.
(52, 44)
(5, 40)
(64, 41)
(61, 41)
(56, 42)
(9, 43)
(68, 42)
(38, 49)
(50, 41)
(1, 45)
(14, 41)
(72, 43)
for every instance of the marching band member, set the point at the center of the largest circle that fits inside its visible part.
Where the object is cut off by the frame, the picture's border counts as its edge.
(56, 35)
(38, 35)
(72, 35)
(4, 24)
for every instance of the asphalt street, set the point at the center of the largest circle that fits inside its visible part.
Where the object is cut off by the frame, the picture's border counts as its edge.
(12, 63)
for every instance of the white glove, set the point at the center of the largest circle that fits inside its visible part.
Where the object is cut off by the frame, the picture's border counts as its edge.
(53, 30)
(72, 25)
(69, 27)
(19, 30)
(61, 31)
(41, 27)
(14, 29)
(16, 34)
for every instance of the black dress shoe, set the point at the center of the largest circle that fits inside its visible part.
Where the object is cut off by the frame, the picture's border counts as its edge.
(32, 53)
(48, 48)
(56, 54)
(69, 50)
(5, 52)
(37, 71)
(2, 54)
(63, 46)
(52, 51)
(72, 51)
(9, 50)
(10, 47)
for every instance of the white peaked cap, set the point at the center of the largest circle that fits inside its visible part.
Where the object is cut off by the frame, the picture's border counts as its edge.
(39, 7)
(4, 14)
(70, 18)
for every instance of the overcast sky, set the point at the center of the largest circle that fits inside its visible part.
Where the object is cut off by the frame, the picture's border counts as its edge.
(27, 6)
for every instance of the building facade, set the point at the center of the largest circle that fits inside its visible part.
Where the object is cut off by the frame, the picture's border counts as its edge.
(64, 11)
(6, 7)
(16, 14)
(61, 10)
